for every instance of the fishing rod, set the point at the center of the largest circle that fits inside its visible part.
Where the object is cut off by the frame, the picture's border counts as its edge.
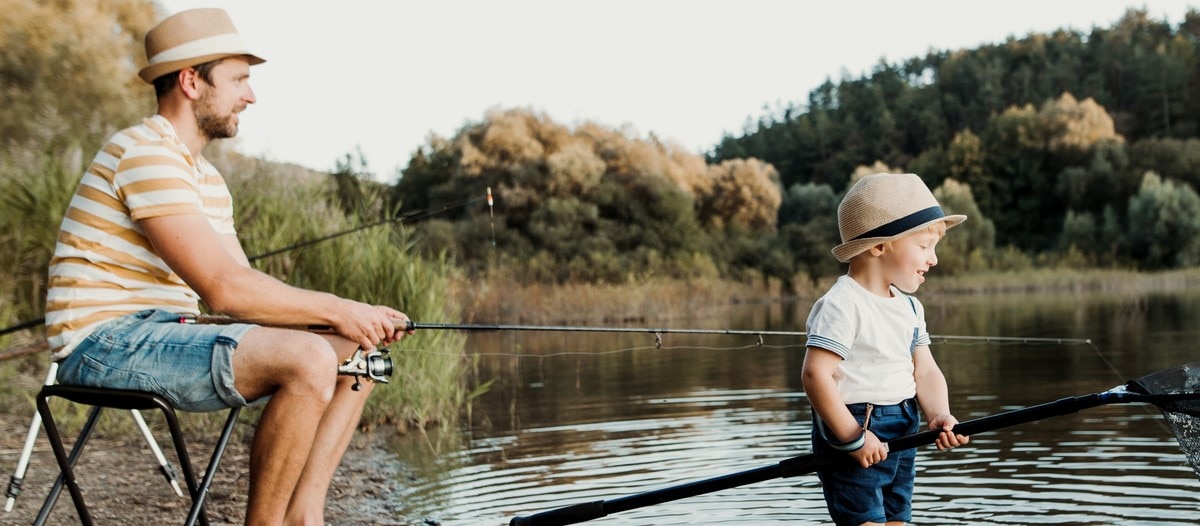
(410, 325)
(1176, 392)
(377, 365)
(398, 219)
(401, 219)
(658, 332)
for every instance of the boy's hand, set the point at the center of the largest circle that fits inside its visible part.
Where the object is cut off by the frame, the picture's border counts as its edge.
(947, 439)
(872, 452)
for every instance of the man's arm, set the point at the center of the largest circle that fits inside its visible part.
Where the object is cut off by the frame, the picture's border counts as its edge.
(226, 282)
(235, 249)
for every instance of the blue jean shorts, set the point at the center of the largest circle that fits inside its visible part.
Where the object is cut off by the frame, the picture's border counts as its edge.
(190, 365)
(882, 492)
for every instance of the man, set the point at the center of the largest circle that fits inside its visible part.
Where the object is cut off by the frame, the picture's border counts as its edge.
(149, 233)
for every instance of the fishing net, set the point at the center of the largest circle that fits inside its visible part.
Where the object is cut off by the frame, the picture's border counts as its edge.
(1180, 405)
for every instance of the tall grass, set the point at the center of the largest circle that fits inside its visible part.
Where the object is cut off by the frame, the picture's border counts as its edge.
(496, 296)
(277, 206)
(1062, 279)
(281, 206)
(35, 187)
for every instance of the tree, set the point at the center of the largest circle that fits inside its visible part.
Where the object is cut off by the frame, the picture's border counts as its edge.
(68, 69)
(969, 242)
(1164, 224)
(1074, 127)
(809, 228)
(1177, 159)
(741, 192)
(1018, 193)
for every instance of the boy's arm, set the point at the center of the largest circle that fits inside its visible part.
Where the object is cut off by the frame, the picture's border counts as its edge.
(934, 398)
(821, 390)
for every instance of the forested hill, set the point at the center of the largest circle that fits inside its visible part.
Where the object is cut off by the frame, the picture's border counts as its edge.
(1053, 134)
(1070, 149)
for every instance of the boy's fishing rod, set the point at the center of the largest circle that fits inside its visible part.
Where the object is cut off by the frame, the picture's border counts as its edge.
(1175, 391)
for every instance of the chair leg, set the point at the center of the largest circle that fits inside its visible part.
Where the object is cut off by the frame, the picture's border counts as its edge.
(65, 464)
(185, 460)
(18, 477)
(214, 462)
(199, 492)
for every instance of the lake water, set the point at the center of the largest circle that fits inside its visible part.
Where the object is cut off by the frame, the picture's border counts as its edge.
(577, 417)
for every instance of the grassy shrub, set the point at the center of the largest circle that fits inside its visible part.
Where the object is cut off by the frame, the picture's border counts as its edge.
(277, 206)
(35, 187)
(281, 206)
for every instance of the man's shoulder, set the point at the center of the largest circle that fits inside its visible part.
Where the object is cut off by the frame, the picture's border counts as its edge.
(144, 145)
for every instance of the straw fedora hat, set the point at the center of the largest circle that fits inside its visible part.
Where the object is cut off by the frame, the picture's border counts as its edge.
(883, 207)
(189, 38)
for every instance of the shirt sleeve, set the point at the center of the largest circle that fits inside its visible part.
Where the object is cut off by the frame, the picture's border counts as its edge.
(831, 326)
(922, 331)
(152, 181)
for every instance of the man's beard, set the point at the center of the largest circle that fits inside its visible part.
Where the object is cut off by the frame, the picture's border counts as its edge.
(211, 124)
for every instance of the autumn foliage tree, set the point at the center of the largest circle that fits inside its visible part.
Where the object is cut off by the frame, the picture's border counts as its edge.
(68, 69)
(588, 202)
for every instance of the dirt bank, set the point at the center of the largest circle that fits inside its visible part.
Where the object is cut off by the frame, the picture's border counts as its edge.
(122, 485)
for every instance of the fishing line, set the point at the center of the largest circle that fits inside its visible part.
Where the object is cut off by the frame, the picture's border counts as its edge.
(1162, 424)
(556, 354)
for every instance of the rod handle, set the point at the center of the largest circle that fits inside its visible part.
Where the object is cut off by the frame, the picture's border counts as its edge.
(569, 515)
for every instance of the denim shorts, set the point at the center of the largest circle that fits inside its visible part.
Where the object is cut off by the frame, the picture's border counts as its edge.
(882, 492)
(190, 365)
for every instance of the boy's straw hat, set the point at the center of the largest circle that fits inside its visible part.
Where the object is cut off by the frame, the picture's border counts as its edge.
(883, 207)
(189, 38)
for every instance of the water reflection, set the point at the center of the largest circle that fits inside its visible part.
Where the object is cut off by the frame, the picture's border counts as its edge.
(573, 418)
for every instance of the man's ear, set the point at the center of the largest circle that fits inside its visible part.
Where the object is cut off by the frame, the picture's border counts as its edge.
(189, 82)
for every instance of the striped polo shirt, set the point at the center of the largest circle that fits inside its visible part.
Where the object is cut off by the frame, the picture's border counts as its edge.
(104, 266)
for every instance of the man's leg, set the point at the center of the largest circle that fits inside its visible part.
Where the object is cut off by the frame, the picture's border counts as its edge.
(333, 437)
(299, 371)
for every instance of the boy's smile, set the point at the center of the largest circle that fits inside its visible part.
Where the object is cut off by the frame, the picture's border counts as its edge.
(906, 260)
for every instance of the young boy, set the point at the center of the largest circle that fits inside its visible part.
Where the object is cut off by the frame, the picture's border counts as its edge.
(868, 364)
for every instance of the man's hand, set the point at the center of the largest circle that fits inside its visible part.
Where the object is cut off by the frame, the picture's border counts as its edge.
(369, 325)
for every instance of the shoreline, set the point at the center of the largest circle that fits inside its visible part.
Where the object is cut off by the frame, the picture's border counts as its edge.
(121, 482)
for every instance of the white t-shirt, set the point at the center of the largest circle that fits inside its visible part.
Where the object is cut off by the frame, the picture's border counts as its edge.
(875, 336)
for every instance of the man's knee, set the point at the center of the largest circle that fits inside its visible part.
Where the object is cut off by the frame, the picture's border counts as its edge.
(313, 368)
(295, 362)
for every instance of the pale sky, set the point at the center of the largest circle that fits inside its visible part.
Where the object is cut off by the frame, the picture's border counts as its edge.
(381, 76)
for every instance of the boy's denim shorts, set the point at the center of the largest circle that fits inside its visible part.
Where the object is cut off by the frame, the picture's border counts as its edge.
(882, 492)
(190, 365)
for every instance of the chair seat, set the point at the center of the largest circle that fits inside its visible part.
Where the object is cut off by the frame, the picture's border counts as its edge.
(99, 399)
(108, 398)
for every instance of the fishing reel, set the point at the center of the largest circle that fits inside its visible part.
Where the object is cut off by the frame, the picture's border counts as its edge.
(375, 366)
